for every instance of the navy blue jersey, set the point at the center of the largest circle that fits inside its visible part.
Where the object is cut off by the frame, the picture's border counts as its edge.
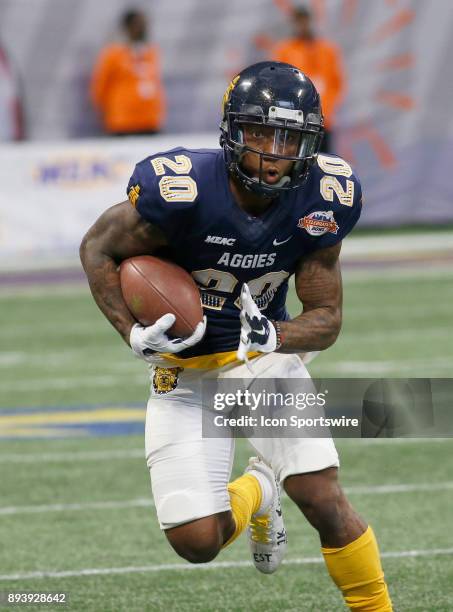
(186, 193)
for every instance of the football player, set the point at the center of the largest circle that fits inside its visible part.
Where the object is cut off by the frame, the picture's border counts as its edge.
(242, 219)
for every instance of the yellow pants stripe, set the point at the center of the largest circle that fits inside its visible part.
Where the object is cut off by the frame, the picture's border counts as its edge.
(206, 362)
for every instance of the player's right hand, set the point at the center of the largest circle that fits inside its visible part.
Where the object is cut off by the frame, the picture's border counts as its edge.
(146, 341)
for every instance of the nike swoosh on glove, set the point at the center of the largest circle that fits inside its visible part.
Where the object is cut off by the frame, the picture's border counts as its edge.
(257, 332)
(146, 341)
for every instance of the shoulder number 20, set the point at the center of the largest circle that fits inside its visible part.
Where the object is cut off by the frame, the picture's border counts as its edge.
(330, 184)
(175, 188)
(182, 187)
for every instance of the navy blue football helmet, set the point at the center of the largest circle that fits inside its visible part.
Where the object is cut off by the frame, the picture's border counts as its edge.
(278, 96)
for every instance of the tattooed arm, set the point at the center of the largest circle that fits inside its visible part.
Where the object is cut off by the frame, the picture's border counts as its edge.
(119, 233)
(319, 288)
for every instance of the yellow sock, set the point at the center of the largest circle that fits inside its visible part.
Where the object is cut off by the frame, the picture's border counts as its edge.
(356, 570)
(245, 497)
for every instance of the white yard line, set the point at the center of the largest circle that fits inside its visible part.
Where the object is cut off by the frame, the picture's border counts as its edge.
(139, 453)
(72, 456)
(40, 384)
(55, 359)
(395, 335)
(364, 311)
(395, 273)
(148, 502)
(391, 273)
(44, 290)
(370, 368)
(380, 441)
(383, 244)
(391, 367)
(398, 488)
(107, 505)
(24, 328)
(215, 565)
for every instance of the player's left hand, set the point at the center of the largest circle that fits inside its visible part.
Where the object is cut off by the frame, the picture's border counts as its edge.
(257, 332)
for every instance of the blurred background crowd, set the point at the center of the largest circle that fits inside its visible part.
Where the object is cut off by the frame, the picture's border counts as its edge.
(77, 77)
(77, 70)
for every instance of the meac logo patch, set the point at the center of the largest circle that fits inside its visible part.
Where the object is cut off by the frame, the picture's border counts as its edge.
(220, 240)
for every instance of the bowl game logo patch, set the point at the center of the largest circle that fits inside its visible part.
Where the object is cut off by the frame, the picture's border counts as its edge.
(319, 222)
(165, 379)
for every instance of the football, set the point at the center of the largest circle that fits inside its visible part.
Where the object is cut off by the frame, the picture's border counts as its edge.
(153, 287)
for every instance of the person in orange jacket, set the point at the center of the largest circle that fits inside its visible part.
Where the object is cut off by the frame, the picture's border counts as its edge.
(320, 60)
(126, 85)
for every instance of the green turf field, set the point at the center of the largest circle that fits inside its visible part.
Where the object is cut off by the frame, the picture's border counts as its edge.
(76, 513)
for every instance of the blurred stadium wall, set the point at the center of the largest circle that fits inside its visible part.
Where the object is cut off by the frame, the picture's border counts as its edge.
(395, 124)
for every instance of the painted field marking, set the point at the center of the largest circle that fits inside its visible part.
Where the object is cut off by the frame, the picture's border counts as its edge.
(384, 489)
(139, 453)
(104, 505)
(355, 367)
(72, 382)
(74, 456)
(106, 571)
(99, 415)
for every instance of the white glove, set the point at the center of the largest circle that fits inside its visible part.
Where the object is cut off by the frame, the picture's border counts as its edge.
(146, 341)
(257, 332)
